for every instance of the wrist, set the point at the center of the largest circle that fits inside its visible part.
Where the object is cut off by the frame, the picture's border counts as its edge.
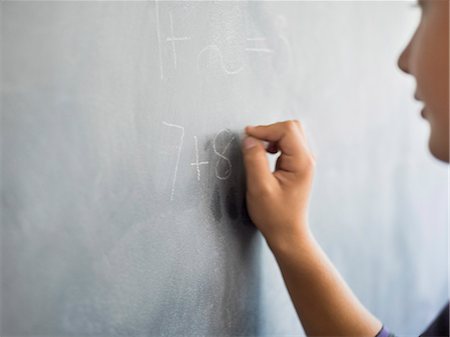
(285, 244)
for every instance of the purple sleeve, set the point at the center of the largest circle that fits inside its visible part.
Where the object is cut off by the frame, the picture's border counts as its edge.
(384, 333)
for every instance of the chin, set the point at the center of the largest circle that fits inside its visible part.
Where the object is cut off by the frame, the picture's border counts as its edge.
(439, 150)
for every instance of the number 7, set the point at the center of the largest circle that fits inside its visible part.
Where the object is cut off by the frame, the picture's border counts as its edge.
(180, 146)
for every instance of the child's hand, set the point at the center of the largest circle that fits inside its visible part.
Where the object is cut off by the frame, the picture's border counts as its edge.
(278, 205)
(278, 201)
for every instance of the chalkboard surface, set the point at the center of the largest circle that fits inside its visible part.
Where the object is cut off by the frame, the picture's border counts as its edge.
(123, 209)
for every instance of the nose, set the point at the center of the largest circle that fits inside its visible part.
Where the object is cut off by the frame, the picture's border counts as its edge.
(403, 60)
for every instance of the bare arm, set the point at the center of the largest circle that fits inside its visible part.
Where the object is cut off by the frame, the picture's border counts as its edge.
(278, 203)
(324, 303)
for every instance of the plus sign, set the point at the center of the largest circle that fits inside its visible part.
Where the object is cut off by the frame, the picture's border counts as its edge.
(197, 164)
(173, 39)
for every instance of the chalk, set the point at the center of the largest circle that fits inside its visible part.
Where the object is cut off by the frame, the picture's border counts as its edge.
(243, 135)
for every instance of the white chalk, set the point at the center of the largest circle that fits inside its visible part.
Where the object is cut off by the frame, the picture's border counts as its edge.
(243, 135)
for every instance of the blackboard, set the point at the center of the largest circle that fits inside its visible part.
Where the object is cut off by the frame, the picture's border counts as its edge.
(123, 187)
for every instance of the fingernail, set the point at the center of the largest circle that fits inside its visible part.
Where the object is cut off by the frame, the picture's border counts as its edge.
(249, 142)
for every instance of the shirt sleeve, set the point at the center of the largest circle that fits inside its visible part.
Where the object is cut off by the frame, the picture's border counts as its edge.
(439, 327)
(384, 332)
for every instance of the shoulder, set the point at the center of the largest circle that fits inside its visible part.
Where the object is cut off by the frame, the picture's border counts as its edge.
(439, 327)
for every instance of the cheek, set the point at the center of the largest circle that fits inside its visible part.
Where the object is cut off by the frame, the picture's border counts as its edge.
(427, 72)
(437, 111)
(430, 66)
(433, 64)
(440, 104)
(438, 117)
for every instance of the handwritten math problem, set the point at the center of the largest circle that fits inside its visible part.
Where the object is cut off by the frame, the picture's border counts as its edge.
(172, 39)
(253, 45)
(223, 166)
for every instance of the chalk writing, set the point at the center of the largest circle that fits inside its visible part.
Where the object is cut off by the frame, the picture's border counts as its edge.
(172, 39)
(180, 146)
(256, 39)
(215, 49)
(228, 167)
(260, 49)
(197, 163)
(158, 35)
(255, 44)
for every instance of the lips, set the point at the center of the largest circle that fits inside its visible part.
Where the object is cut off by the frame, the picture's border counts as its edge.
(422, 113)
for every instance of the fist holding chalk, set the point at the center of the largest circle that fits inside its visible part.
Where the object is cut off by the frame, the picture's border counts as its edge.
(278, 201)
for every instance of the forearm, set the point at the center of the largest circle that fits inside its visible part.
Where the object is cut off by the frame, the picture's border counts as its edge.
(324, 303)
(278, 205)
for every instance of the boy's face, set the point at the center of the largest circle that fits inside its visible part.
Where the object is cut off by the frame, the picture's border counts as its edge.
(427, 58)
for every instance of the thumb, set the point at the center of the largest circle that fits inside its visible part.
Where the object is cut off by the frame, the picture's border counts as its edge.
(256, 164)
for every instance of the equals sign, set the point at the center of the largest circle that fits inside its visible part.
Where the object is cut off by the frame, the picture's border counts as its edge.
(258, 50)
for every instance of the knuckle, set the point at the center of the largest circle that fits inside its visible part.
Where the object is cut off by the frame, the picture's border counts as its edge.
(310, 162)
(291, 126)
(299, 126)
